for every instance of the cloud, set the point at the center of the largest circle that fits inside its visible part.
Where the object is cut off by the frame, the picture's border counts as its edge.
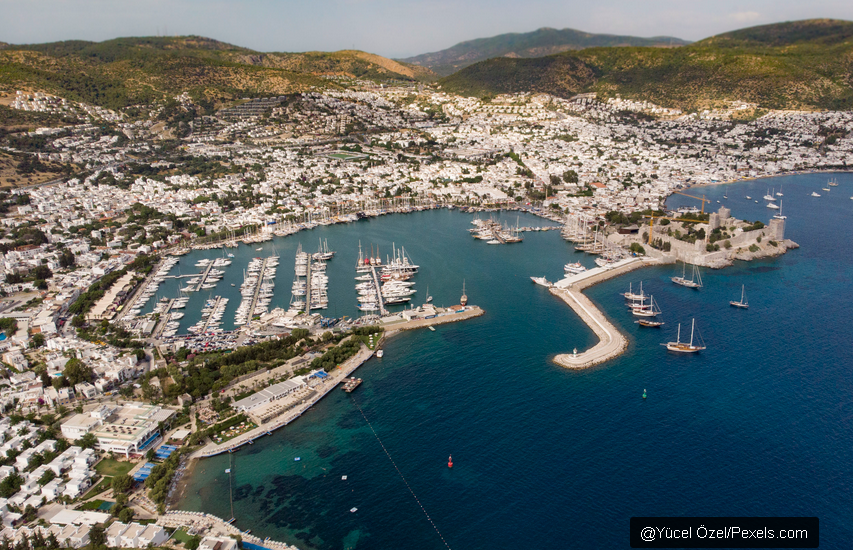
(744, 16)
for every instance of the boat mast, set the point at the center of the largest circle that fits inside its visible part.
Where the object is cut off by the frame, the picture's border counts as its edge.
(691, 332)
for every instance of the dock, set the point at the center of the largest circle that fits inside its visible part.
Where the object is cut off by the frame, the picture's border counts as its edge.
(378, 286)
(209, 317)
(164, 318)
(204, 276)
(307, 285)
(258, 287)
(611, 342)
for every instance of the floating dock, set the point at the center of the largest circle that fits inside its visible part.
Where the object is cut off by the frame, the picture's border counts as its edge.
(351, 384)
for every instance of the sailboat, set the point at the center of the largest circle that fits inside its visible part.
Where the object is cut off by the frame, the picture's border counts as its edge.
(428, 298)
(681, 347)
(652, 311)
(742, 304)
(649, 322)
(630, 294)
(779, 192)
(695, 279)
(779, 216)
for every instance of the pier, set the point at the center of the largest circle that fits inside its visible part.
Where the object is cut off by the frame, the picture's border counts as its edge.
(307, 285)
(258, 288)
(204, 276)
(164, 318)
(209, 317)
(611, 342)
(378, 286)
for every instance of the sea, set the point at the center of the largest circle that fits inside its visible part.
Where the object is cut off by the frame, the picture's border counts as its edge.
(758, 424)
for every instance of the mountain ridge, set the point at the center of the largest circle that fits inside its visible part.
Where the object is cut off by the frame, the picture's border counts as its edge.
(126, 71)
(538, 43)
(792, 65)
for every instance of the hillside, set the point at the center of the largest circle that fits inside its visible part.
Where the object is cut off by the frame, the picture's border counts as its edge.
(799, 65)
(127, 71)
(541, 42)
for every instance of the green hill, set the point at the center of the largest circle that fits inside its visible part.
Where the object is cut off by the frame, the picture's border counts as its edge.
(541, 42)
(798, 65)
(127, 71)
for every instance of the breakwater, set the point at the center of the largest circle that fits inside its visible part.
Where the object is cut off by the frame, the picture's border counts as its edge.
(611, 342)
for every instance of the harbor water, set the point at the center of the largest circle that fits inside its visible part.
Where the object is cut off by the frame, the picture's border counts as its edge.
(758, 424)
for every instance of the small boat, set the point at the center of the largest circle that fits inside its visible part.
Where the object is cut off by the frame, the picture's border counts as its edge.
(815, 194)
(432, 328)
(259, 248)
(450, 461)
(773, 206)
(297, 459)
(541, 281)
(574, 268)
(649, 323)
(380, 353)
(682, 347)
(748, 198)
(353, 509)
(827, 189)
(742, 303)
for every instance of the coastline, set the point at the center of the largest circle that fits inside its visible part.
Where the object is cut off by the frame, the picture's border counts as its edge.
(795, 173)
(612, 343)
(335, 378)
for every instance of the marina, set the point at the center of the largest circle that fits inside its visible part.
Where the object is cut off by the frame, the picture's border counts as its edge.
(421, 398)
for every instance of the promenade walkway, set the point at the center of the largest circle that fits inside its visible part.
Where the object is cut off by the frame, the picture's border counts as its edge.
(328, 384)
(210, 525)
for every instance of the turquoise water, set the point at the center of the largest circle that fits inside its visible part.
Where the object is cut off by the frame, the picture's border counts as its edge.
(757, 425)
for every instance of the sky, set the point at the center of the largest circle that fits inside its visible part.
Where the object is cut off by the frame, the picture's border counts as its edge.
(392, 28)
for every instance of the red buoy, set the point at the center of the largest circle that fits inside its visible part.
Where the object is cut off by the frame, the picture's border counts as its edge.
(450, 461)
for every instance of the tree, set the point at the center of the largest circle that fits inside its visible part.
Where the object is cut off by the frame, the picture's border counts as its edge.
(126, 515)
(76, 371)
(122, 484)
(41, 272)
(97, 538)
(10, 485)
(48, 476)
(88, 441)
(37, 340)
(570, 176)
(8, 325)
(67, 259)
